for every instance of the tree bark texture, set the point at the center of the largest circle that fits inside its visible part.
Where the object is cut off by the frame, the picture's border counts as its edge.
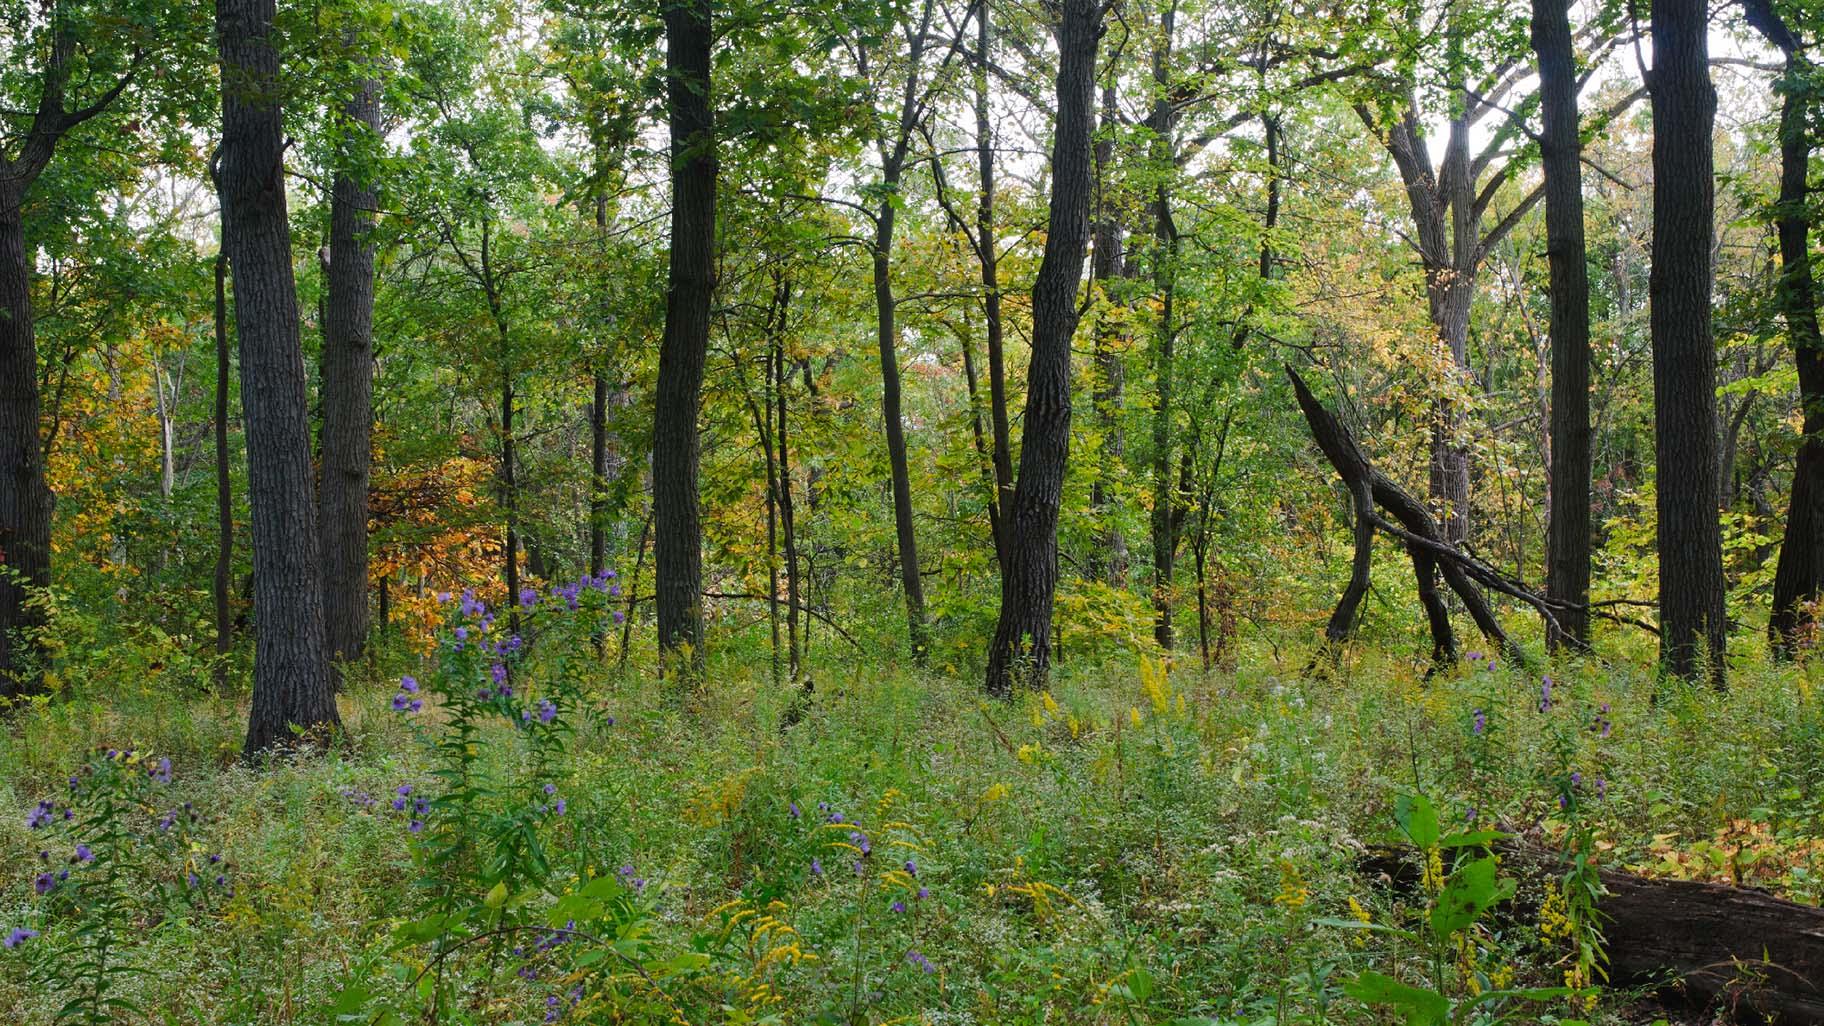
(678, 529)
(292, 686)
(1022, 638)
(1693, 629)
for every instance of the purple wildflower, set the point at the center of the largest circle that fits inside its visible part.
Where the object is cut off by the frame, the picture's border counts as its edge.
(1545, 694)
(899, 906)
(498, 672)
(547, 710)
(911, 868)
(18, 935)
(816, 866)
(1479, 722)
(162, 772)
(921, 961)
(44, 883)
(84, 853)
(408, 684)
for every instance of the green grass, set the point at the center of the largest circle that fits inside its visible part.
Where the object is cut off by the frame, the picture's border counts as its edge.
(1185, 858)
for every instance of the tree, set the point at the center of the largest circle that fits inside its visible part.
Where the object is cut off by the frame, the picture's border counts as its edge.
(1561, 152)
(1799, 576)
(25, 496)
(292, 686)
(1693, 628)
(1029, 575)
(678, 538)
(348, 375)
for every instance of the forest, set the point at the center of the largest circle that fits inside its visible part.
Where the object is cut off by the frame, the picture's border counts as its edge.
(1128, 512)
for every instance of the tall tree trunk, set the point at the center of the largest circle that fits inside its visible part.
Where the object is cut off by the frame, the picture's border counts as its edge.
(1022, 638)
(678, 539)
(292, 686)
(1567, 577)
(1692, 625)
(224, 484)
(1110, 560)
(598, 447)
(887, 337)
(1799, 577)
(787, 519)
(1165, 280)
(25, 495)
(348, 381)
(989, 255)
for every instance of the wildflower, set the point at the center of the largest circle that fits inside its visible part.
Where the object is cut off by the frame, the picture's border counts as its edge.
(560, 807)
(44, 883)
(835, 817)
(443, 598)
(919, 960)
(499, 672)
(816, 866)
(550, 788)
(923, 893)
(462, 634)
(167, 821)
(1474, 657)
(417, 704)
(1602, 787)
(1576, 779)
(162, 773)
(484, 693)
(911, 868)
(401, 703)
(547, 710)
(860, 840)
(528, 598)
(39, 817)
(18, 935)
(398, 804)
(1479, 722)
(416, 826)
(619, 617)
(899, 906)
(408, 684)
(792, 807)
(84, 853)
(1545, 694)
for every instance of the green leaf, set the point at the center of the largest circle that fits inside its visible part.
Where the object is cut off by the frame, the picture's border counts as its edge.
(496, 897)
(1418, 819)
(1467, 894)
(1419, 1006)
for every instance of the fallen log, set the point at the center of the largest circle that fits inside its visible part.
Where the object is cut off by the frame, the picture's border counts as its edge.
(1738, 949)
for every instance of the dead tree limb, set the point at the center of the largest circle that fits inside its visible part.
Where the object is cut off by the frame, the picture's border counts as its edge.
(1420, 532)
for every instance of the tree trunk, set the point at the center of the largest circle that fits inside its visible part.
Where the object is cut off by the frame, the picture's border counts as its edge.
(224, 486)
(1799, 577)
(1110, 559)
(292, 686)
(678, 537)
(887, 337)
(989, 255)
(1568, 522)
(348, 382)
(25, 497)
(1692, 625)
(1022, 638)
(1165, 275)
(787, 519)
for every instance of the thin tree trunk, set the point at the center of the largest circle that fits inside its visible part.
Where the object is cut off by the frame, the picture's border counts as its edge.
(989, 256)
(598, 448)
(224, 485)
(1165, 280)
(887, 337)
(292, 686)
(348, 383)
(1022, 639)
(1798, 581)
(678, 547)
(787, 520)
(1567, 576)
(1693, 629)
(1110, 560)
